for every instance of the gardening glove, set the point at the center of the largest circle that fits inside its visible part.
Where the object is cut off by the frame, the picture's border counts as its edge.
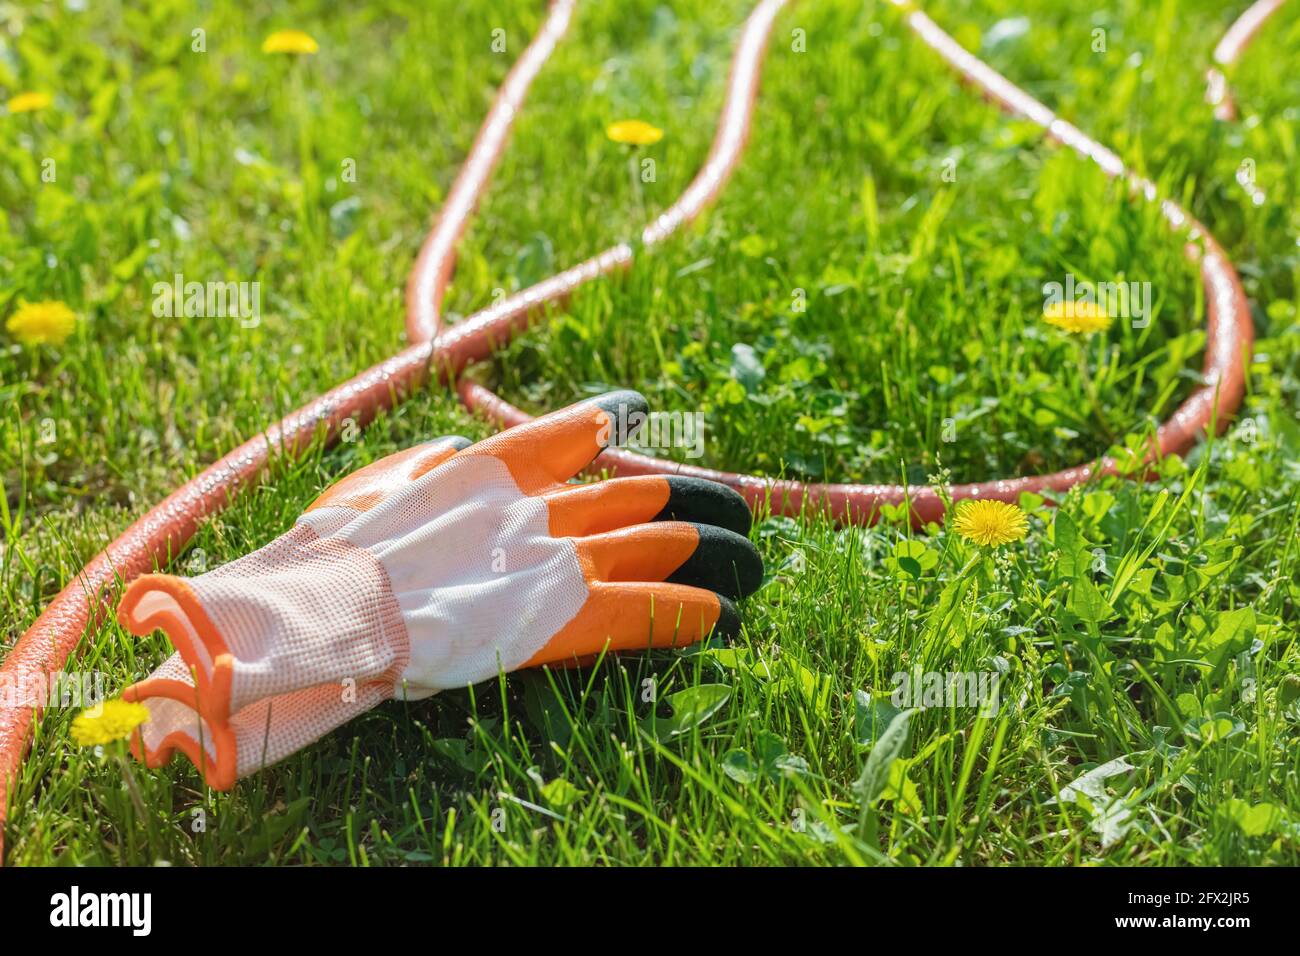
(438, 567)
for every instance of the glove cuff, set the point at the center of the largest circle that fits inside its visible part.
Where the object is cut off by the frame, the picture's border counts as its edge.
(274, 650)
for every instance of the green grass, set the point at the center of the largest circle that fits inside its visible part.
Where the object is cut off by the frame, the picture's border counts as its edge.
(1154, 624)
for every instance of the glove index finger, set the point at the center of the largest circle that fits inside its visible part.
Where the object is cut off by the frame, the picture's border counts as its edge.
(368, 486)
(553, 448)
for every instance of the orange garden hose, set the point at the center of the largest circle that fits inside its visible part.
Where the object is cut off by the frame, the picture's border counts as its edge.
(1231, 47)
(165, 530)
(1229, 334)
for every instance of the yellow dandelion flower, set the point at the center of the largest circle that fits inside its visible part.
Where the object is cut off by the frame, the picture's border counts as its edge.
(39, 323)
(990, 523)
(115, 721)
(634, 133)
(289, 41)
(29, 102)
(1082, 318)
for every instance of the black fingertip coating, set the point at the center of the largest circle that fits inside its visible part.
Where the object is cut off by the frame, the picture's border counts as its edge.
(728, 624)
(723, 561)
(705, 502)
(620, 406)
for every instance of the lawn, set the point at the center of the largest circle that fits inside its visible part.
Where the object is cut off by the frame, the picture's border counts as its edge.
(864, 303)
